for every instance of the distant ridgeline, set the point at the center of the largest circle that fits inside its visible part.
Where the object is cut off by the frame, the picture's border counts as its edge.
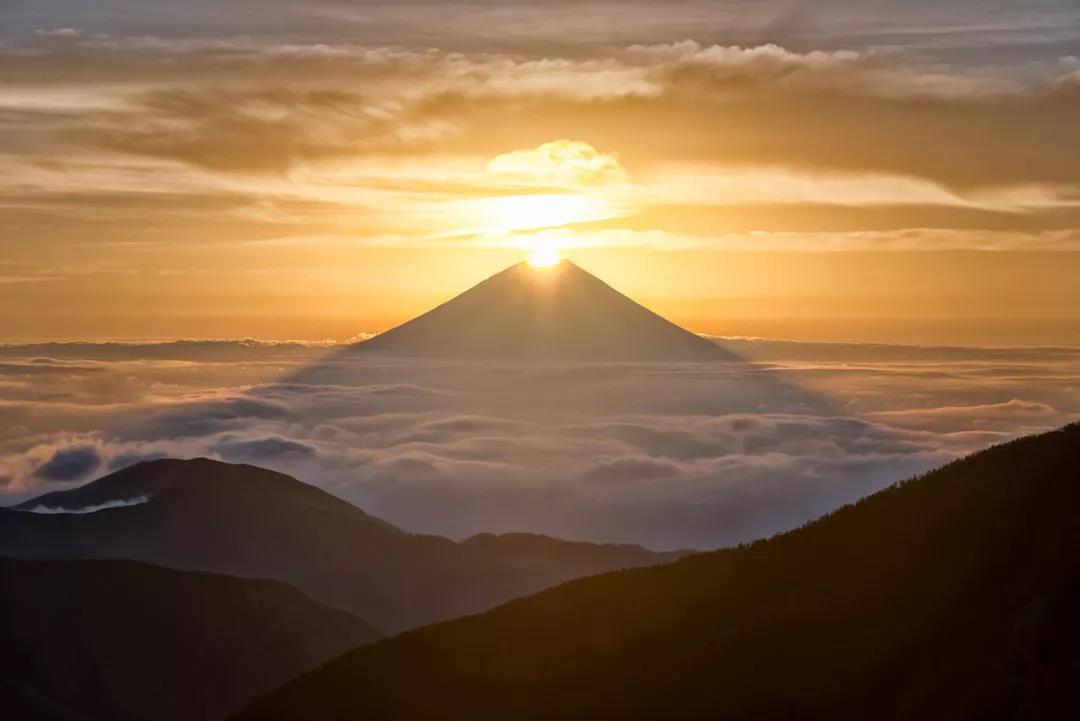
(246, 521)
(953, 596)
(110, 640)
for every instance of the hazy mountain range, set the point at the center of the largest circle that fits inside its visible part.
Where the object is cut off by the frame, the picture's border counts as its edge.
(951, 596)
(246, 521)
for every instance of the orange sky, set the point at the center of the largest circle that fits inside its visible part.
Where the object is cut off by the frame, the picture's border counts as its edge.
(181, 187)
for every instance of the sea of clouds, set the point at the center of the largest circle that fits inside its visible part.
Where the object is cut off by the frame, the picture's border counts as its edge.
(666, 455)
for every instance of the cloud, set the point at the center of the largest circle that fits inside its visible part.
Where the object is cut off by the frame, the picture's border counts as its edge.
(70, 464)
(259, 130)
(269, 109)
(1029, 31)
(261, 449)
(58, 33)
(561, 163)
(629, 468)
(1008, 416)
(668, 456)
(692, 66)
(49, 510)
(204, 418)
(213, 350)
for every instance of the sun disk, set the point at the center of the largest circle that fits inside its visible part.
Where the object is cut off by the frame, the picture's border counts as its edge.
(544, 258)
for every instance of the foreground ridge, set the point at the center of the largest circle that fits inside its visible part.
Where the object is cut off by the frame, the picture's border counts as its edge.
(951, 596)
(126, 641)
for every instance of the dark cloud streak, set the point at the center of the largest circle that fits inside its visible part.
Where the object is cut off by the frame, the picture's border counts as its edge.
(70, 464)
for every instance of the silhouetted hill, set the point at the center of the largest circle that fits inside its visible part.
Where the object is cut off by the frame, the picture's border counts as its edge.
(953, 596)
(119, 641)
(558, 313)
(247, 521)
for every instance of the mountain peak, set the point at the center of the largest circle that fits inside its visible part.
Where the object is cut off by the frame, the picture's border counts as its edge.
(554, 313)
(243, 520)
(202, 480)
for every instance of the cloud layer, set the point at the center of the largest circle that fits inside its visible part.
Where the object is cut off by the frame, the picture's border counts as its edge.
(271, 108)
(666, 455)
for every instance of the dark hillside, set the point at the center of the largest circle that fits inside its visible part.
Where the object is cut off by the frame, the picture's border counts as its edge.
(205, 515)
(123, 641)
(952, 596)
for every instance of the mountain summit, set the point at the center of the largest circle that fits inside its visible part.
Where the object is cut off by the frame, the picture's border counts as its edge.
(547, 314)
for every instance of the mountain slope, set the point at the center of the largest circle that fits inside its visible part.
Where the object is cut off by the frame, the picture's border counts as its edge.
(117, 640)
(953, 596)
(558, 313)
(247, 521)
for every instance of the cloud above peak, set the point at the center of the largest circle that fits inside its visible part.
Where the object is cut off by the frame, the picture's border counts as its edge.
(566, 163)
(269, 108)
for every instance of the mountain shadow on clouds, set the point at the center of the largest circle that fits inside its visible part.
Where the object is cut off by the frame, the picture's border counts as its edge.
(211, 516)
(951, 596)
(575, 392)
(555, 338)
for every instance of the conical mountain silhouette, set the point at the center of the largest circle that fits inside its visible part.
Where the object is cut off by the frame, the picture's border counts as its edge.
(557, 313)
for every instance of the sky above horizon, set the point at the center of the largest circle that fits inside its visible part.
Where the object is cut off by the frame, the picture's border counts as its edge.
(881, 171)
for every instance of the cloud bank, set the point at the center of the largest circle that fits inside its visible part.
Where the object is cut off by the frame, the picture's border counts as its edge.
(665, 455)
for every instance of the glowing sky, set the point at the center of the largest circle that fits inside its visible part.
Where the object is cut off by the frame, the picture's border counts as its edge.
(283, 169)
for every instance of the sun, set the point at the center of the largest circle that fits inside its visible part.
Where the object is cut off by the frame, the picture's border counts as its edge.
(544, 257)
(507, 214)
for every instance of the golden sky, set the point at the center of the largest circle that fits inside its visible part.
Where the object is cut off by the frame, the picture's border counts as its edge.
(167, 176)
